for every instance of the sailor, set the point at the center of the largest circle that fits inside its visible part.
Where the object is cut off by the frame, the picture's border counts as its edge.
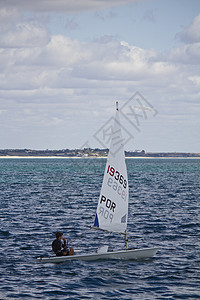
(59, 248)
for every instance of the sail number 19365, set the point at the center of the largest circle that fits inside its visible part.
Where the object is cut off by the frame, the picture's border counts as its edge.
(116, 174)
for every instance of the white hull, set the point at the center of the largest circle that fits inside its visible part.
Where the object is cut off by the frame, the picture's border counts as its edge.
(123, 254)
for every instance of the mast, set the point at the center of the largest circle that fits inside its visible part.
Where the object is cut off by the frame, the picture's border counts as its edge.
(117, 106)
(126, 240)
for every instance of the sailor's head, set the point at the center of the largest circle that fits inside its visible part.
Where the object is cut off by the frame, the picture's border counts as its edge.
(59, 235)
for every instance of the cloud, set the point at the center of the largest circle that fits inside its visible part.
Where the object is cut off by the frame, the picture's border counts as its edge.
(119, 61)
(191, 34)
(187, 54)
(64, 6)
(39, 59)
(51, 81)
(8, 17)
(25, 36)
(61, 62)
(195, 80)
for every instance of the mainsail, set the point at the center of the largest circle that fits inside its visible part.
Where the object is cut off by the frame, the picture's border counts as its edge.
(112, 209)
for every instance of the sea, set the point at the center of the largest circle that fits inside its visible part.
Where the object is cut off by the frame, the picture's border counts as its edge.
(39, 196)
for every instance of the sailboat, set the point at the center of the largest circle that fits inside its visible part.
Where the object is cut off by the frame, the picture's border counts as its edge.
(112, 209)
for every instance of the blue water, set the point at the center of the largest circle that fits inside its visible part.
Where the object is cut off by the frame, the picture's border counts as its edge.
(41, 196)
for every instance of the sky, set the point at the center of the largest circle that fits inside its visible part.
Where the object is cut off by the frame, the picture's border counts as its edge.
(64, 64)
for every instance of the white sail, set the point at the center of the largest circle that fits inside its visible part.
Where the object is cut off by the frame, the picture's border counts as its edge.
(112, 209)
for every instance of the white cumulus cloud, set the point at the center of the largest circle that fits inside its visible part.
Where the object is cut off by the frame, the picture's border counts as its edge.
(191, 34)
(8, 17)
(25, 36)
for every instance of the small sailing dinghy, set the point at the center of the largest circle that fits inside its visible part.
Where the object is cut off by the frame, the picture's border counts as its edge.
(112, 208)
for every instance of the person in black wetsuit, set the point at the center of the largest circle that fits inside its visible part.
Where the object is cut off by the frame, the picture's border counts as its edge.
(59, 248)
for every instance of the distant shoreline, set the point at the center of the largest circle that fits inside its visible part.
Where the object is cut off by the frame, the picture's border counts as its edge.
(88, 153)
(96, 157)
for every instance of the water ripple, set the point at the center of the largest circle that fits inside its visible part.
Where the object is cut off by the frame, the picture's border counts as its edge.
(41, 196)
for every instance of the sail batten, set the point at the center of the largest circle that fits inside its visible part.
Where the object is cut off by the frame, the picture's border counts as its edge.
(112, 209)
